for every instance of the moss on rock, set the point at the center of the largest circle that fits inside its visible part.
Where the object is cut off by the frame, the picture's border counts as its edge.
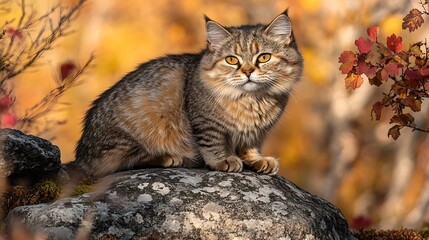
(19, 195)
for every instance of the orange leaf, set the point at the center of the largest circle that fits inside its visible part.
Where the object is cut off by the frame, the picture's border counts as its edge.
(353, 81)
(347, 60)
(373, 33)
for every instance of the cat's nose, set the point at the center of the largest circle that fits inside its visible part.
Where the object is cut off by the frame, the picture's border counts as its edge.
(248, 71)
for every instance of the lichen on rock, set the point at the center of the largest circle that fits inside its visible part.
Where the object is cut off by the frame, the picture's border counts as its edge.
(188, 204)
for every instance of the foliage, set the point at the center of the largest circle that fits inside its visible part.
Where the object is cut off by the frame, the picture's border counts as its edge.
(42, 192)
(22, 45)
(85, 185)
(396, 234)
(404, 70)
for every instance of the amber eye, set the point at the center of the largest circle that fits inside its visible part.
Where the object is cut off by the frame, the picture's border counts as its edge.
(264, 57)
(231, 60)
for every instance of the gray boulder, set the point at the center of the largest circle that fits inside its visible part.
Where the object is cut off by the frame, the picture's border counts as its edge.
(27, 156)
(187, 204)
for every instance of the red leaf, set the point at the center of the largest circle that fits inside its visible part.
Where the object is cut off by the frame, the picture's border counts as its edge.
(8, 120)
(373, 58)
(376, 109)
(363, 68)
(427, 85)
(384, 75)
(413, 20)
(373, 33)
(424, 72)
(364, 45)
(392, 68)
(66, 69)
(360, 222)
(353, 81)
(6, 102)
(348, 59)
(394, 43)
(394, 132)
(14, 32)
(412, 78)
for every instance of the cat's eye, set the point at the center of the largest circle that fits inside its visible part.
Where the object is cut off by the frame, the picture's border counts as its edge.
(264, 57)
(231, 60)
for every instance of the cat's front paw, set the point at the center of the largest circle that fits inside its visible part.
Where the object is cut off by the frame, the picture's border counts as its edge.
(230, 164)
(266, 165)
(171, 161)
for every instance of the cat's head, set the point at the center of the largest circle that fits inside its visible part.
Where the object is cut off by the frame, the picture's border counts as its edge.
(251, 58)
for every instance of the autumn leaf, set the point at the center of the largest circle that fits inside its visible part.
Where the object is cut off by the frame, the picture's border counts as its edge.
(394, 43)
(420, 62)
(424, 72)
(412, 20)
(373, 33)
(364, 45)
(394, 132)
(15, 33)
(375, 81)
(412, 78)
(353, 81)
(373, 58)
(347, 60)
(8, 120)
(384, 51)
(361, 222)
(392, 68)
(400, 90)
(414, 104)
(416, 50)
(6, 102)
(66, 69)
(402, 119)
(383, 74)
(376, 109)
(363, 68)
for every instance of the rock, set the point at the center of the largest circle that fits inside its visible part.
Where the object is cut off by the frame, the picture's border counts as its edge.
(27, 156)
(187, 204)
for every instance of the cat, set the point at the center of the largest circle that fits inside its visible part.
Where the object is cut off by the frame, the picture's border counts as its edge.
(214, 107)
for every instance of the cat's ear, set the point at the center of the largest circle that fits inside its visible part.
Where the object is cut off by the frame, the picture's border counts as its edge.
(280, 27)
(215, 32)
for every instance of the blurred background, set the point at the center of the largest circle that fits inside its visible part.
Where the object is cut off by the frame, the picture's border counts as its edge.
(326, 141)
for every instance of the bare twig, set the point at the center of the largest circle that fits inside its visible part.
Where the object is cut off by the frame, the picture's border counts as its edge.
(47, 104)
(43, 42)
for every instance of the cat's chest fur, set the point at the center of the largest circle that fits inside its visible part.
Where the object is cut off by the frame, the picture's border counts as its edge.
(250, 113)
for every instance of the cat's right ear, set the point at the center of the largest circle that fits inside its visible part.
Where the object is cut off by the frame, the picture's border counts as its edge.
(216, 34)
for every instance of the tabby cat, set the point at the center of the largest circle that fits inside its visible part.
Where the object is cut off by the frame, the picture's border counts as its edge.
(213, 107)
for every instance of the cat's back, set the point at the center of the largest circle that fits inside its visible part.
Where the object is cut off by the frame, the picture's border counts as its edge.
(152, 76)
(146, 105)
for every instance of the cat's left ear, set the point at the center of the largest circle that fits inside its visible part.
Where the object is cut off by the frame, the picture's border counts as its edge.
(280, 27)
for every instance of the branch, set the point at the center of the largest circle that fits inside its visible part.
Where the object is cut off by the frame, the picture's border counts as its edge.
(31, 53)
(47, 104)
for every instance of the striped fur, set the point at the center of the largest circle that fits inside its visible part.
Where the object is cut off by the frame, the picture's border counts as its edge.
(190, 109)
